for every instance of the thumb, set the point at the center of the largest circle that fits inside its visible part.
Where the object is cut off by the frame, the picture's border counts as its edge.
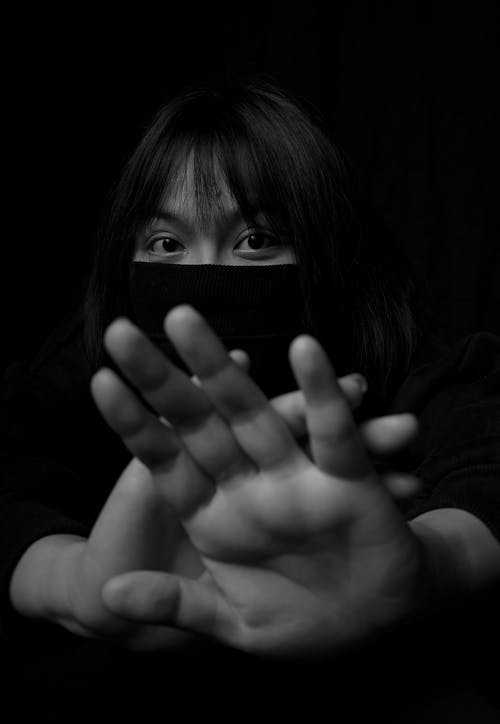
(155, 597)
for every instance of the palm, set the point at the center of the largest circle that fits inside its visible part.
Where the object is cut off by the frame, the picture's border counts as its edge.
(298, 552)
(265, 512)
(326, 574)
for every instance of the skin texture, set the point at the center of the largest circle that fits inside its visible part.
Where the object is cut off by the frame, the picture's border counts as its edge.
(61, 577)
(299, 553)
(225, 524)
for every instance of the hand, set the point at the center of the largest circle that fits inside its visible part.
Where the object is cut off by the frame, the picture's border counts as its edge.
(300, 554)
(135, 529)
(382, 436)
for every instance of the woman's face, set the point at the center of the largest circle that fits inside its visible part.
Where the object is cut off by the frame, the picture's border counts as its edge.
(174, 234)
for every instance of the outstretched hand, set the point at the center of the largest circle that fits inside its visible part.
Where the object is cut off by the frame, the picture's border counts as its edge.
(301, 552)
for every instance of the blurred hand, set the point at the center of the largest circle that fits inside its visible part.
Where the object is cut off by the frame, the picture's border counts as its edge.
(301, 552)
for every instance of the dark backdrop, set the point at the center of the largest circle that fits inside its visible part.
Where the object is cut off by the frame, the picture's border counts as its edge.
(408, 89)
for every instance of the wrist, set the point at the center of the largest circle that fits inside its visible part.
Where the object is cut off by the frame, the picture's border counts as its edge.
(460, 555)
(438, 579)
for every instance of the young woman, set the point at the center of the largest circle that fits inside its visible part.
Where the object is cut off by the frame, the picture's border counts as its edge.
(269, 525)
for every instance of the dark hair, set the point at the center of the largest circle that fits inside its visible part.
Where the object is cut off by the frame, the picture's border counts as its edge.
(357, 292)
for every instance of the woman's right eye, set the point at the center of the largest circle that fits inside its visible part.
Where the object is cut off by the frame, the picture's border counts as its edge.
(162, 245)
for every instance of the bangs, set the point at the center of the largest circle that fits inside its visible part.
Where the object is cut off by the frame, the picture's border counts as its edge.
(209, 167)
(259, 149)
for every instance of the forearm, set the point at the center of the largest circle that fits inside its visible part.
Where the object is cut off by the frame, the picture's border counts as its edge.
(462, 555)
(38, 587)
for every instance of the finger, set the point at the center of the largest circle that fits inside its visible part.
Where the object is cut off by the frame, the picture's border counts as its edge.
(335, 443)
(401, 485)
(260, 431)
(237, 355)
(291, 405)
(353, 386)
(161, 598)
(129, 506)
(241, 358)
(143, 434)
(183, 404)
(389, 434)
(152, 442)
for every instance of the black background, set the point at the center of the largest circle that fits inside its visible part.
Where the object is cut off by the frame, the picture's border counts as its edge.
(408, 89)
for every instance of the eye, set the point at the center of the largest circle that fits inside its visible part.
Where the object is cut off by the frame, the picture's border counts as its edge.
(164, 245)
(258, 241)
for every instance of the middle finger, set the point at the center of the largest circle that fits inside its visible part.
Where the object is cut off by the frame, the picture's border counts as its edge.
(259, 429)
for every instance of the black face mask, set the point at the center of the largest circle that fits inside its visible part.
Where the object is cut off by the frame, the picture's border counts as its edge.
(254, 308)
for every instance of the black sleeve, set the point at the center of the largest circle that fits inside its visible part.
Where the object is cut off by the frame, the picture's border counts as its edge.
(58, 458)
(457, 452)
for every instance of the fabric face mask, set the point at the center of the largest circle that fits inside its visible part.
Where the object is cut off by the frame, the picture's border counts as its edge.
(254, 308)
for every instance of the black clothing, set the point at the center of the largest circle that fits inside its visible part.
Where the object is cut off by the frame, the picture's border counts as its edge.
(257, 308)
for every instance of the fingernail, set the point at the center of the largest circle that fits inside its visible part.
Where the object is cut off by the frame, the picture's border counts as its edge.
(360, 381)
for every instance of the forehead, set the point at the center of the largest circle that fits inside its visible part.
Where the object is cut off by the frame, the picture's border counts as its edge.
(186, 193)
(199, 193)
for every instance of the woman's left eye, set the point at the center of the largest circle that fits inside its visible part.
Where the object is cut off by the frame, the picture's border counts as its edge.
(257, 241)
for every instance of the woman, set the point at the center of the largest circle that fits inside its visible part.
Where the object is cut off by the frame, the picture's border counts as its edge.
(269, 527)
